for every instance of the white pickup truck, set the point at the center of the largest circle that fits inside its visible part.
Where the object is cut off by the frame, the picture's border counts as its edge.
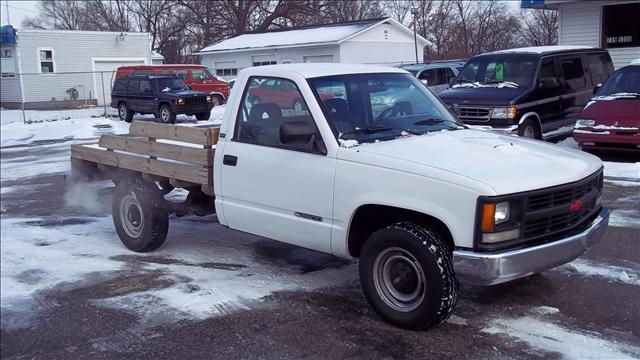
(362, 162)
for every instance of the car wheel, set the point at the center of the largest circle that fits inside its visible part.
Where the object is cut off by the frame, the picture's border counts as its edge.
(166, 115)
(139, 215)
(216, 100)
(298, 105)
(528, 129)
(203, 115)
(124, 113)
(407, 276)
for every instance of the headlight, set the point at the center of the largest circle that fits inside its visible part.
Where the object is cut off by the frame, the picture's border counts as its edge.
(180, 101)
(494, 214)
(504, 112)
(208, 98)
(502, 213)
(585, 123)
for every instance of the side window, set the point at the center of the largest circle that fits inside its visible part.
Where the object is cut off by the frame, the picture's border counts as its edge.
(548, 69)
(597, 68)
(443, 75)
(199, 74)
(182, 74)
(145, 87)
(120, 85)
(572, 68)
(165, 72)
(430, 76)
(143, 72)
(47, 62)
(266, 105)
(133, 86)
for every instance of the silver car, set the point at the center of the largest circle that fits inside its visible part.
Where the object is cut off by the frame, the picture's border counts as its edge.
(435, 75)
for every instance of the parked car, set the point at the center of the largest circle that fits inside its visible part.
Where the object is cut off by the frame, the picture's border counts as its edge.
(282, 93)
(422, 200)
(163, 96)
(436, 76)
(536, 92)
(197, 77)
(611, 120)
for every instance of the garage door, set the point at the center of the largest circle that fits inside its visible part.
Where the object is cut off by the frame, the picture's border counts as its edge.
(318, 59)
(105, 70)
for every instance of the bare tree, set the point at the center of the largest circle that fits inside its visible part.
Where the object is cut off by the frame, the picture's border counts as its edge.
(539, 27)
(57, 14)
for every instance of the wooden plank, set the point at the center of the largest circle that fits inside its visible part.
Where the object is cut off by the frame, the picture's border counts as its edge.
(191, 173)
(207, 136)
(145, 146)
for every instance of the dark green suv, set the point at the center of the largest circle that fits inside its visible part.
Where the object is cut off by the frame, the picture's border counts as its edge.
(163, 96)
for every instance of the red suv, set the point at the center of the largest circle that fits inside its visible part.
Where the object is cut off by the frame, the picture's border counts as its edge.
(197, 77)
(611, 120)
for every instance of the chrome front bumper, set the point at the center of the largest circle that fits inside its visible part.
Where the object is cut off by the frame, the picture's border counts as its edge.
(495, 268)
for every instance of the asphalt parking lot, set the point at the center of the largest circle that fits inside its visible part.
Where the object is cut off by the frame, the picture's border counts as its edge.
(76, 292)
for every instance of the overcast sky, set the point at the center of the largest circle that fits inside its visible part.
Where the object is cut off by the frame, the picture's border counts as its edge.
(20, 9)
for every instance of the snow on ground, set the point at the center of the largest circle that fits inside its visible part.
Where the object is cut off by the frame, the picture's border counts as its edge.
(609, 272)
(545, 336)
(629, 171)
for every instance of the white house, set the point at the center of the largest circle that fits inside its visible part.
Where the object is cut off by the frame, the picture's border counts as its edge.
(373, 41)
(59, 68)
(612, 25)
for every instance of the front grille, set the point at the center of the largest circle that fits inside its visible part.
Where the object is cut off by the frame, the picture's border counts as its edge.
(555, 210)
(195, 100)
(474, 113)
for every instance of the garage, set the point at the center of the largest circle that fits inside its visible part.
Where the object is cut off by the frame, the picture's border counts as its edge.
(104, 72)
(318, 59)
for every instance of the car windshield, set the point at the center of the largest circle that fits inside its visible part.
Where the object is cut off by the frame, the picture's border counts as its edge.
(171, 84)
(498, 71)
(378, 107)
(623, 83)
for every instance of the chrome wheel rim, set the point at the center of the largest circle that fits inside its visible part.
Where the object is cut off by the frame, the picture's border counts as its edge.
(131, 215)
(123, 112)
(164, 114)
(399, 279)
(297, 106)
(528, 132)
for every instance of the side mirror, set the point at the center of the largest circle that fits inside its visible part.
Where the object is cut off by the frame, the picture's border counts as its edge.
(596, 88)
(548, 83)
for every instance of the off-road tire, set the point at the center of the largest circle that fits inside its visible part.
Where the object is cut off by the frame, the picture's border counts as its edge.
(203, 115)
(166, 118)
(430, 254)
(529, 129)
(138, 202)
(124, 113)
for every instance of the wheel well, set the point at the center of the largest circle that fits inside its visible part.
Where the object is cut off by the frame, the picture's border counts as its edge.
(536, 120)
(369, 218)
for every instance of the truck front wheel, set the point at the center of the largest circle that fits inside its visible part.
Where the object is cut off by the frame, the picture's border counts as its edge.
(139, 215)
(407, 276)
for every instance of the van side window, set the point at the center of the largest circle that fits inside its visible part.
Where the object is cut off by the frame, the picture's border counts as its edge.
(268, 103)
(430, 76)
(133, 86)
(598, 68)
(572, 68)
(548, 69)
(165, 72)
(182, 74)
(143, 72)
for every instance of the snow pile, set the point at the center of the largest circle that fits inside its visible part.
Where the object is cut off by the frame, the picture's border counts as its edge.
(608, 272)
(630, 171)
(546, 310)
(625, 218)
(547, 337)
(348, 143)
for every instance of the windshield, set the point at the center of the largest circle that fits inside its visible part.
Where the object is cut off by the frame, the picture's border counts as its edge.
(624, 81)
(498, 71)
(378, 107)
(171, 84)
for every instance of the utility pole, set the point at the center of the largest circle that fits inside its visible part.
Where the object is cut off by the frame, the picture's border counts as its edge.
(414, 11)
(6, 2)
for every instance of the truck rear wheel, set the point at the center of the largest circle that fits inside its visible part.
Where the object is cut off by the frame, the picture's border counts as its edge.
(124, 113)
(139, 215)
(407, 276)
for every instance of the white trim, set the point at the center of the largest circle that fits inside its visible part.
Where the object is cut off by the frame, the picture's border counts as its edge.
(19, 59)
(53, 60)
(98, 59)
(273, 47)
(83, 32)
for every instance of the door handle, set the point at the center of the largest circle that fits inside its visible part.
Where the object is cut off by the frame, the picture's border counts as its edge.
(230, 160)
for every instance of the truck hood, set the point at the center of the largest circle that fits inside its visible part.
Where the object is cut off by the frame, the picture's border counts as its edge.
(508, 164)
(481, 96)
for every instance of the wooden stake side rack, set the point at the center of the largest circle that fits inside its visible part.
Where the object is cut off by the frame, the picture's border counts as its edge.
(185, 165)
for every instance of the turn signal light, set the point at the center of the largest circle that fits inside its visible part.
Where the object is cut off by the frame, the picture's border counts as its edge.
(488, 218)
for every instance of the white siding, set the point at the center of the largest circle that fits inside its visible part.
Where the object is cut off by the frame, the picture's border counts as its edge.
(10, 86)
(74, 51)
(580, 24)
(383, 44)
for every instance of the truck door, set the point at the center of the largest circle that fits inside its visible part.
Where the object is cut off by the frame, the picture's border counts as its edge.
(283, 191)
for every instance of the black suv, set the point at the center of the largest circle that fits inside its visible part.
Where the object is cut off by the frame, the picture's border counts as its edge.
(163, 96)
(537, 92)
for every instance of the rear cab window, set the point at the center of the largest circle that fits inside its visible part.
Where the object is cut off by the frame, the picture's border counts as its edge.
(120, 85)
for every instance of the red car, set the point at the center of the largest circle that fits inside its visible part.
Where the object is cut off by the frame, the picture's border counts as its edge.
(611, 120)
(281, 92)
(196, 76)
